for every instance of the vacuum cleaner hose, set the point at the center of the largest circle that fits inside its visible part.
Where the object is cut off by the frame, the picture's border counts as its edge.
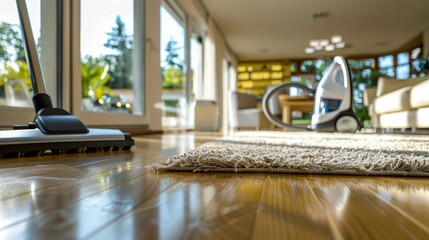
(272, 92)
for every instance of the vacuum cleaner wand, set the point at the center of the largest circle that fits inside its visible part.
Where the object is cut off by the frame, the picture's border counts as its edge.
(271, 93)
(53, 129)
(36, 74)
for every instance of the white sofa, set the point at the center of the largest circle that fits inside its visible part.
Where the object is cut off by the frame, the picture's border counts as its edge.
(399, 104)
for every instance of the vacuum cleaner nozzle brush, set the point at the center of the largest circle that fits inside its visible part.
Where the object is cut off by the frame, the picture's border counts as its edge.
(33, 142)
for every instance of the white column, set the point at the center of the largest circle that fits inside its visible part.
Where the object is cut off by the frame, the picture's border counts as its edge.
(153, 85)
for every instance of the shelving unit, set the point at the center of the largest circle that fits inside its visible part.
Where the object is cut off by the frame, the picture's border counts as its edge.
(255, 77)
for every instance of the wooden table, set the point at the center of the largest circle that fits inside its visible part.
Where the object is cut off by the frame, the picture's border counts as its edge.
(289, 104)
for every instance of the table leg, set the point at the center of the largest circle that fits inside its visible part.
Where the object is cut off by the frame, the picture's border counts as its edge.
(287, 114)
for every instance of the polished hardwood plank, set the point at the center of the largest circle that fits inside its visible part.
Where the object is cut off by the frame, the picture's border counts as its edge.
(289, 210)
(113, 195)
(359, 213)
(413, 205)
(173, 214)
(58, 194)
(232, 213)
(68, 183)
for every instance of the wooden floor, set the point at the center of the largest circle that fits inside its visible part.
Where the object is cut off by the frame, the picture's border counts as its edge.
(115, 196)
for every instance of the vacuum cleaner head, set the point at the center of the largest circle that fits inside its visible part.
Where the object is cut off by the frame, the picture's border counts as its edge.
(54, 130)
(33, 142)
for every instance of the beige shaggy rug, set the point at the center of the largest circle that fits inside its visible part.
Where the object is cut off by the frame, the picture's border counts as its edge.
(308, 153)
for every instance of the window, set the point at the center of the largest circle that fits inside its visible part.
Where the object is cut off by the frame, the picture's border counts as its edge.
(416, 53)
(307, 66)
(173, 68)
(403, 68)
(403, 58)
(385, 64)
(106, 56)
(361, 63)
(417, 62)
(15, 85)
(403, 71)
(110, 64)
(316, 67)
(390, 72)
(385, 61)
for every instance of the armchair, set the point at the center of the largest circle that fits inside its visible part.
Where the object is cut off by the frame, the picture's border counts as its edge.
(244, 112)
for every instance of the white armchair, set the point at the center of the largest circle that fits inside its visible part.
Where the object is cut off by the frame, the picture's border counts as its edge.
(244, 112)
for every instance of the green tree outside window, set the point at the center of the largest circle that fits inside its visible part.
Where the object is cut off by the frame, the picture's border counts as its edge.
(173, 76)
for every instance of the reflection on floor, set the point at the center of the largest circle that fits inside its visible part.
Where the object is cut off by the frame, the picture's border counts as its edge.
(113, 195)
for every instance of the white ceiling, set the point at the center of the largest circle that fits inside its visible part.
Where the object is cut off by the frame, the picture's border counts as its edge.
(279, 29)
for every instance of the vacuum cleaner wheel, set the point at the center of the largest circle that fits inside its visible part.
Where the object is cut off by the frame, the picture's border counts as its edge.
(346, 124)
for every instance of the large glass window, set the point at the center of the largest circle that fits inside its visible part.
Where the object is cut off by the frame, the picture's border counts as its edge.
(403, 66)
(106, 56)
(15, 84)
(173, 70)
(418, 64)
(403, 58)
(361, 63)
(385, 61)
(385, 64)
(403, 71)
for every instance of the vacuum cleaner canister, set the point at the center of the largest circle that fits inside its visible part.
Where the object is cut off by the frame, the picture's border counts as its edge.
(333, 101)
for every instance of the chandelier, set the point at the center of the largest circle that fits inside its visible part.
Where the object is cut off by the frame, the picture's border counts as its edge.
(323, 39)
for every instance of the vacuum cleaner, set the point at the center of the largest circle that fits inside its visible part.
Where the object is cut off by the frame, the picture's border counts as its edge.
(53, 129)
(333, 101)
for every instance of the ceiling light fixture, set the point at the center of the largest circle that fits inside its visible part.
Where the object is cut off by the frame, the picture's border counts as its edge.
(322, 29)
(340, 45)
(314, 42)
(319, 47)
(336, 39)
(309, 50)
(324, 42)
(330, 47)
